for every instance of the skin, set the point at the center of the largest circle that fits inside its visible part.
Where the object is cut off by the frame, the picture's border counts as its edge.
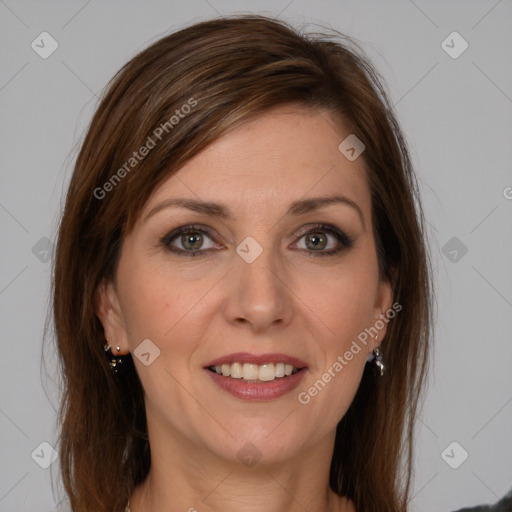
(196, 309)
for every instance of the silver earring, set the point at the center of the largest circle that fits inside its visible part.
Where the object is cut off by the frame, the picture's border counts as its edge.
(115, 362)
(378, 359)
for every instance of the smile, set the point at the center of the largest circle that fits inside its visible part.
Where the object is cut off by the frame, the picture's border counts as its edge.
(256, 377)
(253, 372)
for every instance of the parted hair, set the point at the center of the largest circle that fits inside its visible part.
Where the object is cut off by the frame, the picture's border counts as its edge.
(228, 70)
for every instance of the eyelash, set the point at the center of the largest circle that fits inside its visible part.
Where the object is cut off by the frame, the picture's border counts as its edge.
(345, 241)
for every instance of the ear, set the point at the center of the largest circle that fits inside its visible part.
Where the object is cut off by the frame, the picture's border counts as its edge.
(108, 310)
(383, 303)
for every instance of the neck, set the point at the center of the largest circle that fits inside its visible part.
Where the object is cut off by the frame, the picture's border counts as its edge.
(184, 477)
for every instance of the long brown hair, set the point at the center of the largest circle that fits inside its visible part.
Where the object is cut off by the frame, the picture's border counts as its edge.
(227, 70)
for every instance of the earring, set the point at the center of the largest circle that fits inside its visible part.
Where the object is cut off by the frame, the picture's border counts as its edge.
(115, 362)
(378, 359)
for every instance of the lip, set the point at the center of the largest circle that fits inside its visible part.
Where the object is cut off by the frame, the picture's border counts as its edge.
(261, 391)
(246, 357)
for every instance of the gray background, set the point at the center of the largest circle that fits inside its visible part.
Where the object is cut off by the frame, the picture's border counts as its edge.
(457, 115)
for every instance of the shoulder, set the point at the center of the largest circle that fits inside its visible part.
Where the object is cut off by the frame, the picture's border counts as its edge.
(504, 505)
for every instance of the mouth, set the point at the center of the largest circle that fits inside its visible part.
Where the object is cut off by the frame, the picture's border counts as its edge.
(254, 373)
(257, 377)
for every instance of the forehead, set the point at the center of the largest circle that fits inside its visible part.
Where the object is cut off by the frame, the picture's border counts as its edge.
(277, 157)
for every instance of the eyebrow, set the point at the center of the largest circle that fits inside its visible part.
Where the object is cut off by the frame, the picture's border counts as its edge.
(218, 210)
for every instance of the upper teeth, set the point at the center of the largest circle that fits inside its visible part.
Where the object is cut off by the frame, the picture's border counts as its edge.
(248, 371)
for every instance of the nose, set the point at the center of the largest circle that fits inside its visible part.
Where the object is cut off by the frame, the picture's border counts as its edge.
(260, 294)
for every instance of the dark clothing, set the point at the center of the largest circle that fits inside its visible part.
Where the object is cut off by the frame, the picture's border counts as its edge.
(504, 505)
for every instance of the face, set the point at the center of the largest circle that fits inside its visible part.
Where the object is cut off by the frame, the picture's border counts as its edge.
(251, 275)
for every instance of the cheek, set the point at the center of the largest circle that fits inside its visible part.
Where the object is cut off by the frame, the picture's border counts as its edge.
(331, 387)
(155, 302)
(158, 306)
(329, 392)
(345, 302)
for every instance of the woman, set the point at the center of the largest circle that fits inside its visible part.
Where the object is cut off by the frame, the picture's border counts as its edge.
(242, 290)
